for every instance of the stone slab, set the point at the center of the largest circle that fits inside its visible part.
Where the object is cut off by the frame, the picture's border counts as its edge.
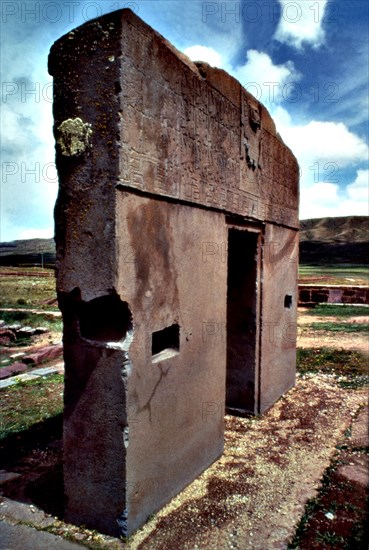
(44, 354)
(46, 371)
(7, 476)
(23, 537)
(16, 379)
(360, 430)
(34, 375)
(24, 513)
(357, 471)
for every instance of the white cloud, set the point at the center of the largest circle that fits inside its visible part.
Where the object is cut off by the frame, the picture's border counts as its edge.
(204, 53)
(328, 200)
(318, 200)
(324, 150)
(301, 23)
(29, 179)
(262, 78)
(359, 189)
(322, 142)
(37, 233)
(259, 75)
(28, 182)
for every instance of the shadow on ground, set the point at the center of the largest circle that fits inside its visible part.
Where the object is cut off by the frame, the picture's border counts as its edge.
(258, 456)
(32, 460)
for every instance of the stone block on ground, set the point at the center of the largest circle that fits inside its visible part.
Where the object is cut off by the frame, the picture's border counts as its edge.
(17, 368)
(360, 430)
(357, 471)
(7, 336)
(44, 354)
(26, 332)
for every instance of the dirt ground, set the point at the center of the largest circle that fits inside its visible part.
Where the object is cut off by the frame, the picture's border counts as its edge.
(308, 337)
(254, 496)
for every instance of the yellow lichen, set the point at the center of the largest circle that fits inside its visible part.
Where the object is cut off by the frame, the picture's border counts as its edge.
(74, 136)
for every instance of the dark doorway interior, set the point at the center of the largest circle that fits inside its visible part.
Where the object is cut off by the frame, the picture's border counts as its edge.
(241, 322)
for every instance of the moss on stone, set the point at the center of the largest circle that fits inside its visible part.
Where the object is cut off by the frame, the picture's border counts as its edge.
(74, 136)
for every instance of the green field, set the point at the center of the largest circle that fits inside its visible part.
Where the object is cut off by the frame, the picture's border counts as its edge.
(343, 274)
(27, 291)
(25, 404)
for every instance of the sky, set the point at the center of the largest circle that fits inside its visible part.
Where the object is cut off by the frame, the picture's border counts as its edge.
(305, 60)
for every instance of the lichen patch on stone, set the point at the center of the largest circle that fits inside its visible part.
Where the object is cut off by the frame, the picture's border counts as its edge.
(74, 137)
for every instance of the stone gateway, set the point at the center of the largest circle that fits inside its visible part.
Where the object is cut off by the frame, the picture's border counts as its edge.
(177, 242)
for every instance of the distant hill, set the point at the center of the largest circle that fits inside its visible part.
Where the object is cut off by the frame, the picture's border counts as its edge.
(28, 252)
(354, 229)
(322, 241)
(328, 241)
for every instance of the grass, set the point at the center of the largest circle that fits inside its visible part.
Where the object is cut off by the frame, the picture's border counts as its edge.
(341, 327)
(344, 313)
(29, 269)
(350, 367)
(330, 538)
(346, 500)
(26, 404)
(333, 310)
(344, 274)
(310, 508)
(26, 291)
(340, 269)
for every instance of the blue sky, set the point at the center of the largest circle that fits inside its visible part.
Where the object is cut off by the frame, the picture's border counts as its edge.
(306, 60)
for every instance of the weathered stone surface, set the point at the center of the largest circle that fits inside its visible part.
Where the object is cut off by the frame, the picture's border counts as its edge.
(9, 379)
(176, 234)
(278, 314)
(17, 355)
(43, 354)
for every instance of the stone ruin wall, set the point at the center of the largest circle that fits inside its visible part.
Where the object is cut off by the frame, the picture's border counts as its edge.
(159, 160)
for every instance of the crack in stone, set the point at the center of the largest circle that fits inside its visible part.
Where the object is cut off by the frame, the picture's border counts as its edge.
(147, 405)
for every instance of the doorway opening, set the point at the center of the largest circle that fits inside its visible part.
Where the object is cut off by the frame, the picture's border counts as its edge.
(242, 322)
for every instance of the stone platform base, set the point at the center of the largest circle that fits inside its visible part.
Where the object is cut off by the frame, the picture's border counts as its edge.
(310, 295)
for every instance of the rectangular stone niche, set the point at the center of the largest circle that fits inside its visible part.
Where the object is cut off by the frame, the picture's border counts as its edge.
(176, 222)
(165, 343)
